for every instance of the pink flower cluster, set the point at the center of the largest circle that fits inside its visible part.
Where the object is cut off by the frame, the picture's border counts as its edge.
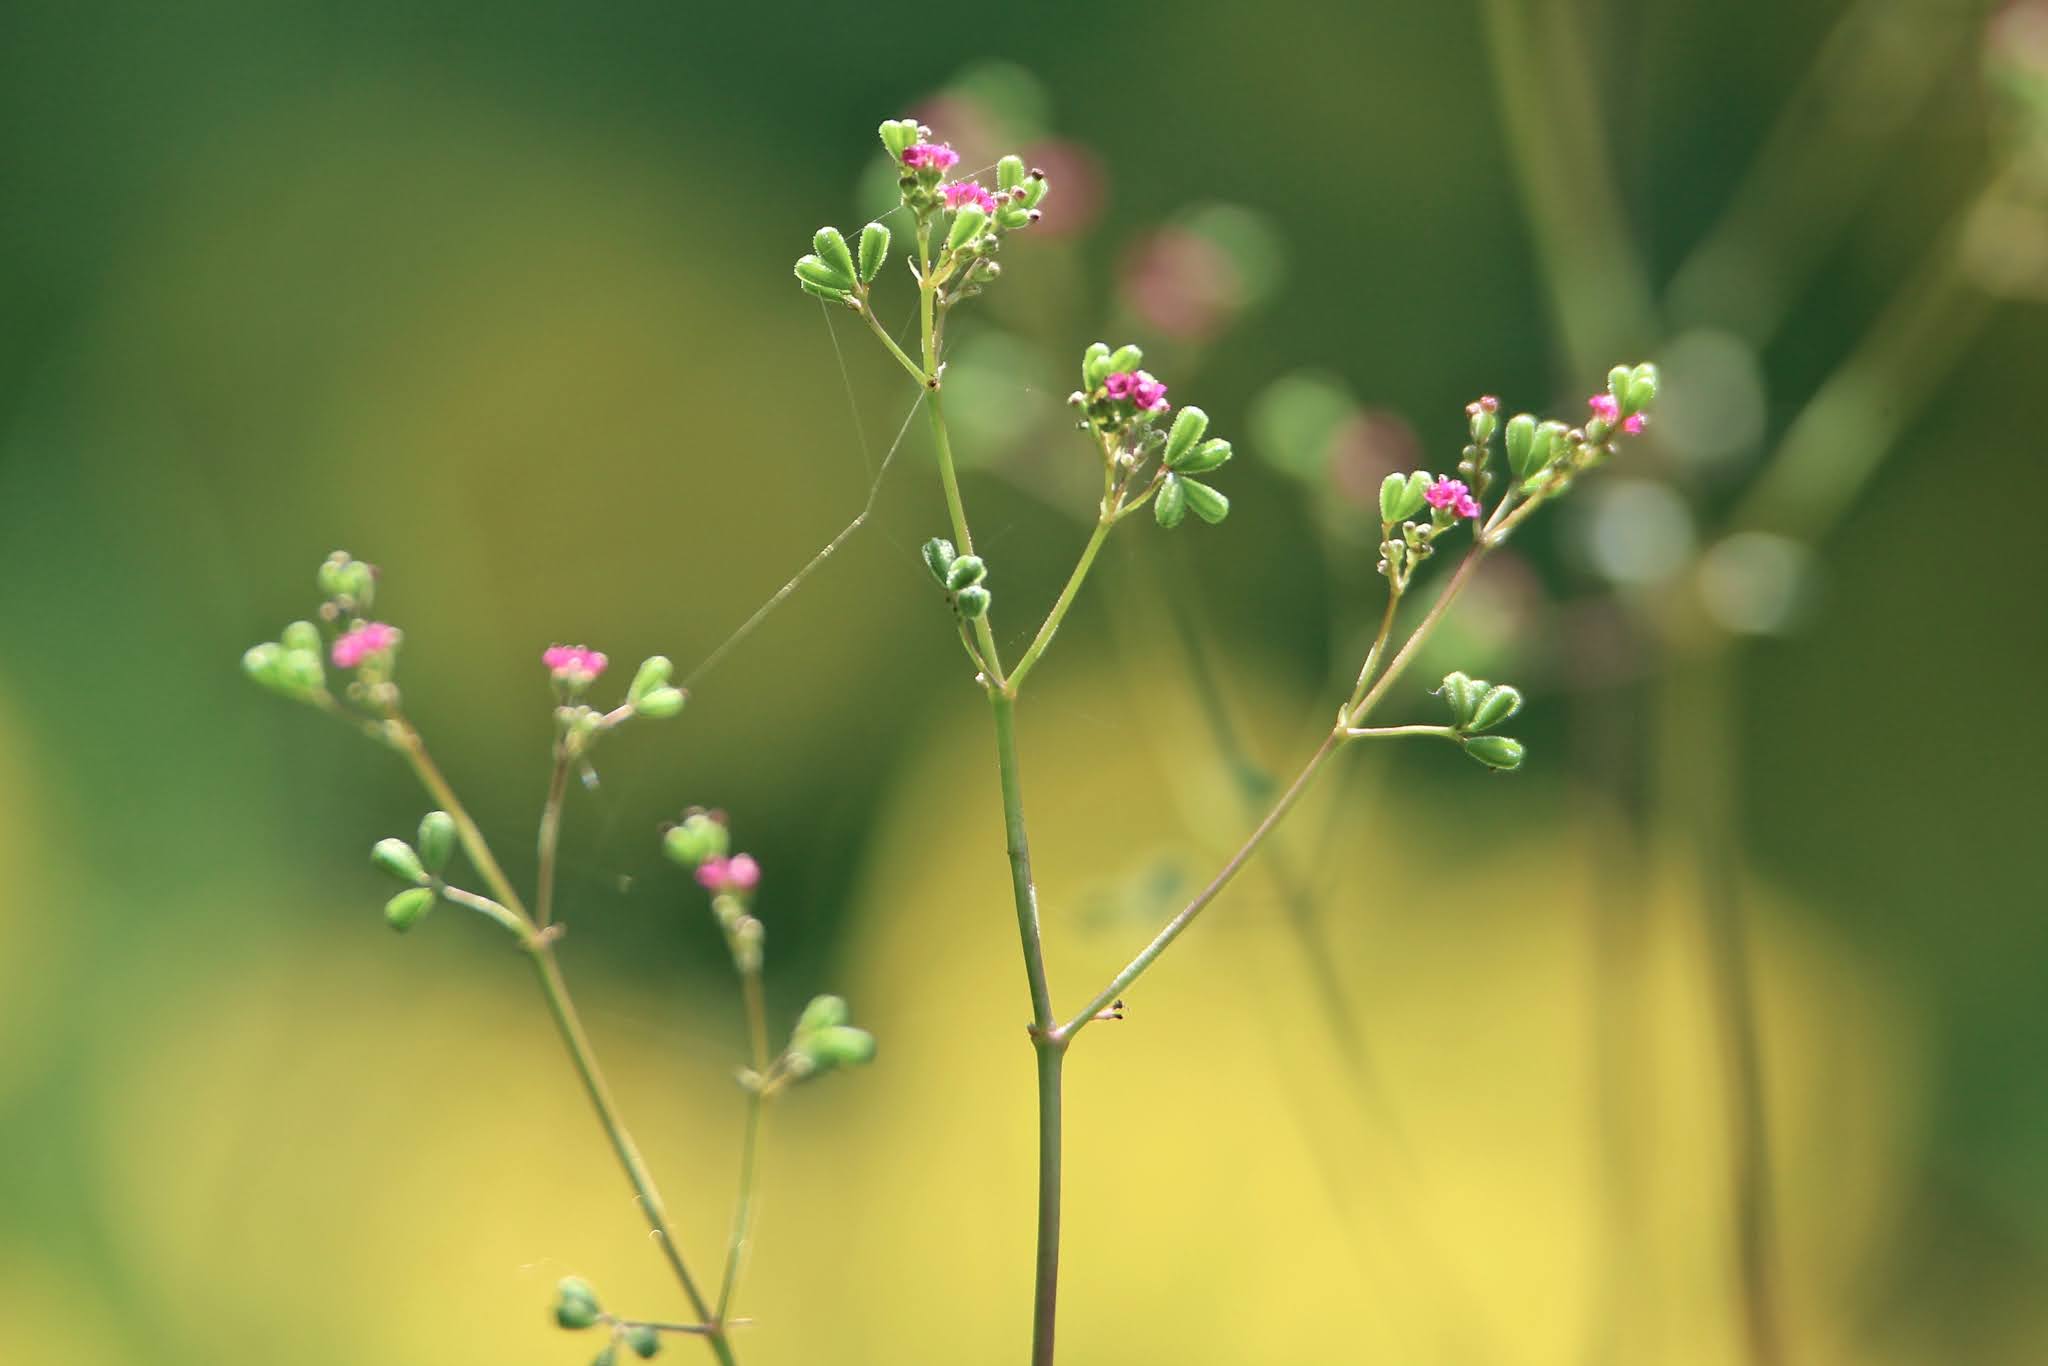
(1141, 389)
(1607, 410)
(967, 192)
(1452, 494)
(361, 641)
(576, 664)
(736, 874)
(928, 156)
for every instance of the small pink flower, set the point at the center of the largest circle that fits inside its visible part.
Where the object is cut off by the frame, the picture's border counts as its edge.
(1487, 404)
(1605, 408)
(1452, 494)
(927, 156)
(574, 664)
(362, 641)
(967, 192)
(1149, 394)
(1633, 424)
(736, 874)
(1119, 385)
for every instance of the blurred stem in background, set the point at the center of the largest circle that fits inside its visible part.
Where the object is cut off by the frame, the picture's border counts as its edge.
(1775, 232)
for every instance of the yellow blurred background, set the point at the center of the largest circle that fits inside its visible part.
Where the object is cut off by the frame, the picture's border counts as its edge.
(500, 301)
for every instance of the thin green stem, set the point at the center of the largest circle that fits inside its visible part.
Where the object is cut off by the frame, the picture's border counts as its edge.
(750, 1140)
(1051, 625)
(472, 839)
(485, 906)
(902, 357)
(1045, 1298)
(1379, 645)
(556, 990)
(551, 836)
(1022, 890)
(1387, 732)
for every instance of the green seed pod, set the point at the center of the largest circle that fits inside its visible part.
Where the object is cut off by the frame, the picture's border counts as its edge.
(329, 576)
(965, 572)
(1538, 483)
(1170, 507)
(1094, 366)
(972, 602)
(823, 1012)
(1125, 360)
(661, 703)
(1642, 388)
(643, 1341)
(408, 906)
(899, 135)
(607, 1356)
(825, 292)
(1461, 695)
(840, 1046)
(397, 858)
(1035, 187)
(302, 635)
(1009, 173)
(697, 838)
(1495, 751)
(833, 252)
(1205, 502)
(967, 225)
(1188, 426)
(938, 557)
(1495, 705)
(1548, 444)
(300, 674)
(822, 273)
(1211, 454)
(1521, 445)
(874, 251)
(653, 673)
(1617, 385)
(260, 662)
(436, 840)
(1394, 499)
(576, 1303)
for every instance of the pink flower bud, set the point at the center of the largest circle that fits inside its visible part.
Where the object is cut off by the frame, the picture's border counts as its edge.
(576, 665)
(362, 641)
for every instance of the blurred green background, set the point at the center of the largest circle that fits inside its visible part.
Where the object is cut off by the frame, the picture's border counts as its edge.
(499, 300)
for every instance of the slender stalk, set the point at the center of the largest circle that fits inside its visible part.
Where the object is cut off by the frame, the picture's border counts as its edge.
(1051, 625)
(551, 837)
(556, 990)
(1379, 645)
(473, 843)
(902, 358)
(1387, 732)
(1046, 1281)
(750, 1140)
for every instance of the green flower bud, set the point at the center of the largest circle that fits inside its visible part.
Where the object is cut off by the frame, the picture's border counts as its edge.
(1210, 455)
(408, 906)
(661, 704)
(260, 662)
(697, 838)
(576, 1303)
(1035, 187)
(1461, 694)
(436, 840)
(967, 225)
(643, 1341)
(1188, 426)
(302, 635)
(1495, 705)
(899, 135)
(1009, 173)
(300, 673)
(965, 572)
(1549, 441)
(840, 1046)
(1495, 751)
(653, 673)
(329, 577)
(812, 270)
(1095, 366)
(972, 602)
(938, 557)
(1205, 502)
(608, 1355)
(1642, 389)
(1617, 385)
(832, 251)
(1125, 360)
(874, 251)
(1521, 444)
(823, 1012)
(1170, 507)
(397, 858)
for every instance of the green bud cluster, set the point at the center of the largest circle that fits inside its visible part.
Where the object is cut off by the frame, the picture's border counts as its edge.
(1546, 456)
(697, 838)
(650, 695)
(1404, 542)
(1477, 706)
(291, 667)
(347, 584)
(830, 273)
(576, 1304)
(824, 1040)
(1139, 457)
(960, 575)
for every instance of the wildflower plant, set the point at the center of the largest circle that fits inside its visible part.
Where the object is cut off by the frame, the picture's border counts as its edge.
(1150, 452)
